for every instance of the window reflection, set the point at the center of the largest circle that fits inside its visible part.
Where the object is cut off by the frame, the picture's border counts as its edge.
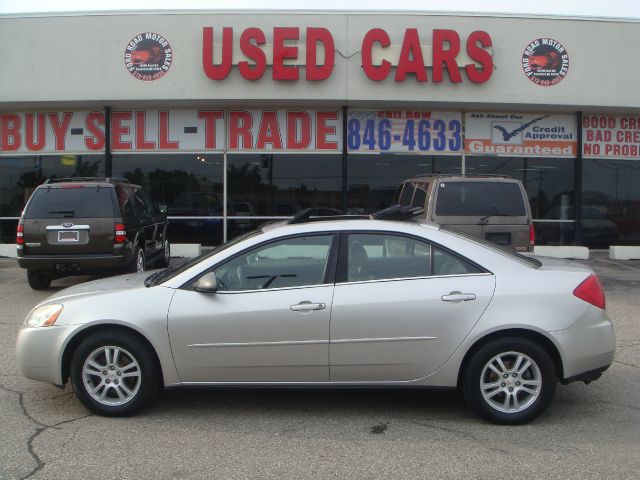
(20, 175)
(610, 202)
(374, 179)
(549, 186)
(282, 184)
(191, 185)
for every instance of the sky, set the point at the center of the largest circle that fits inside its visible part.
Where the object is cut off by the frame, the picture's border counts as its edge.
(598, 8)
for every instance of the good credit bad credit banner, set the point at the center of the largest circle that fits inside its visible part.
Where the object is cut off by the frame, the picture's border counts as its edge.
(416, 131)
(611, 136)
(520, 134)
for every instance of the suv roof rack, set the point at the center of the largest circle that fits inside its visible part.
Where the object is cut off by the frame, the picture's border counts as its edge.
(465, 175)
(395, 212)
(87, 179)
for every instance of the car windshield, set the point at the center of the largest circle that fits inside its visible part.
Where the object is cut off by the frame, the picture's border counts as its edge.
(171, 272)
(529, 261)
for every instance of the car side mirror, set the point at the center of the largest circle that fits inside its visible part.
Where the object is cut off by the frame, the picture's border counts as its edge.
(162, 208)
(206, 283)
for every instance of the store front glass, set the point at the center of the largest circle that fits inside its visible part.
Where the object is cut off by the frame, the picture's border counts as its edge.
(20, 175)
(190, 185)
(610, 202)
(267, 187)
(374, 179)
(549, 183)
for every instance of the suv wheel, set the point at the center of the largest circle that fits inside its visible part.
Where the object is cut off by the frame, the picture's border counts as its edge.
(510, 381)
(113, 373)
(139, 262)
(38, 280)
(165, 256)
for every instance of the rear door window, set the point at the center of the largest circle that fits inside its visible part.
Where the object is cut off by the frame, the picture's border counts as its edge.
(71, 202)
(480, 199)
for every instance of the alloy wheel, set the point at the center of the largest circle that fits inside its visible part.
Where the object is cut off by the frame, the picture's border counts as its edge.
(111, 375)
(510, 382)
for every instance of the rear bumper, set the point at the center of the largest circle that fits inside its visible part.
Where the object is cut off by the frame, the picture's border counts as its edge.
(587, 347)
(70, 264)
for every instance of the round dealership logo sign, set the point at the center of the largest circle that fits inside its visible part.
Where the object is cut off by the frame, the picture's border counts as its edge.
(545, 61)
(148, 56)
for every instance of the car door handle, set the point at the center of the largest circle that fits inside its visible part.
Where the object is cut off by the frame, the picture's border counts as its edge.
(307, 306)
(458, 297)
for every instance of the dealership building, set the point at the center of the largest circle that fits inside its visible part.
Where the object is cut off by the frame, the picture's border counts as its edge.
(232, 119)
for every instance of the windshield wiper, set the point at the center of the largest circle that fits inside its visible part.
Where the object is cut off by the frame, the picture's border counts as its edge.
(153, 279)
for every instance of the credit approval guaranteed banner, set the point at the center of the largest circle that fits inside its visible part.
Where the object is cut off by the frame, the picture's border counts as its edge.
(520, 134)
(201, 130)
(404, 131)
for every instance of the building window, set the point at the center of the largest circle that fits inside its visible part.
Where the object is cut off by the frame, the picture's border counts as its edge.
(549, 183)
(20, 175)
(190, 185)
(264, 187)
(610, 202)
(374, 179)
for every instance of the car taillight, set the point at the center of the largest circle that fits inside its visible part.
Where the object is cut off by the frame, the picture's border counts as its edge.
(120, 234)
(20, 235)
(532, 235)
(591, 291)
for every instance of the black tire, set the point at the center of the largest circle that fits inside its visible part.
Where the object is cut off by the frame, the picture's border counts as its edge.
(38, 280)
(143, 386)
(137, 253)
(165, 255)
(530, 405)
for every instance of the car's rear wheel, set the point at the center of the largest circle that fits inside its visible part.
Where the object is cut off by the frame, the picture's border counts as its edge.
(165, 256)
(510, 380)
(113, 374)
(139, 262)
(38, 280)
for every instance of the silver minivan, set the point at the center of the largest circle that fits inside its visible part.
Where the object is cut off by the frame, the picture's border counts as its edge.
(494, 208)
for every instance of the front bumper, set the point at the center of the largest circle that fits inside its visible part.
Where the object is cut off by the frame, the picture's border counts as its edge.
(39, 352)
(588, 345)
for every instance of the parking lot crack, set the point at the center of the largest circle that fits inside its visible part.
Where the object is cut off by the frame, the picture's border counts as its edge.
(464, 434)
(627, 364)
(40, 427)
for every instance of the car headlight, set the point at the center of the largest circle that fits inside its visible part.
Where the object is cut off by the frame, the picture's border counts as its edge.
(44, 316)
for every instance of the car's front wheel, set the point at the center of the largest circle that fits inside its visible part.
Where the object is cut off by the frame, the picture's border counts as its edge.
(510, 380)
(113, 374)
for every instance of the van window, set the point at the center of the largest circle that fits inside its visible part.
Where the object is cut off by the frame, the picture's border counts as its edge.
(74, 202)
(419, 198)
(407, 194)
(480, 199)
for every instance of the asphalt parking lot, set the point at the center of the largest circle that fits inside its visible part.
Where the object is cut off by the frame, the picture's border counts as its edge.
(589, 432)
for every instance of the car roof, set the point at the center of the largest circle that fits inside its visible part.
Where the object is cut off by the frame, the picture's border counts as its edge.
(85, 181)
(463, 178)
(283, 228)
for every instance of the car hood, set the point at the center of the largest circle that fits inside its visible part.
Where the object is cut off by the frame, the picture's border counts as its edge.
(104, 285)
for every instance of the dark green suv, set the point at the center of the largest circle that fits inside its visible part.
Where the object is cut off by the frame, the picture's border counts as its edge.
(74, 226)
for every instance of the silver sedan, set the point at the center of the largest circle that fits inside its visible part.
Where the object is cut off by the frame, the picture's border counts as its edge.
(332, 303)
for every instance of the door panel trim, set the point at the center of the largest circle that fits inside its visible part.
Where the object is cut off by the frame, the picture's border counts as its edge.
(380, 339)
(259, 344)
